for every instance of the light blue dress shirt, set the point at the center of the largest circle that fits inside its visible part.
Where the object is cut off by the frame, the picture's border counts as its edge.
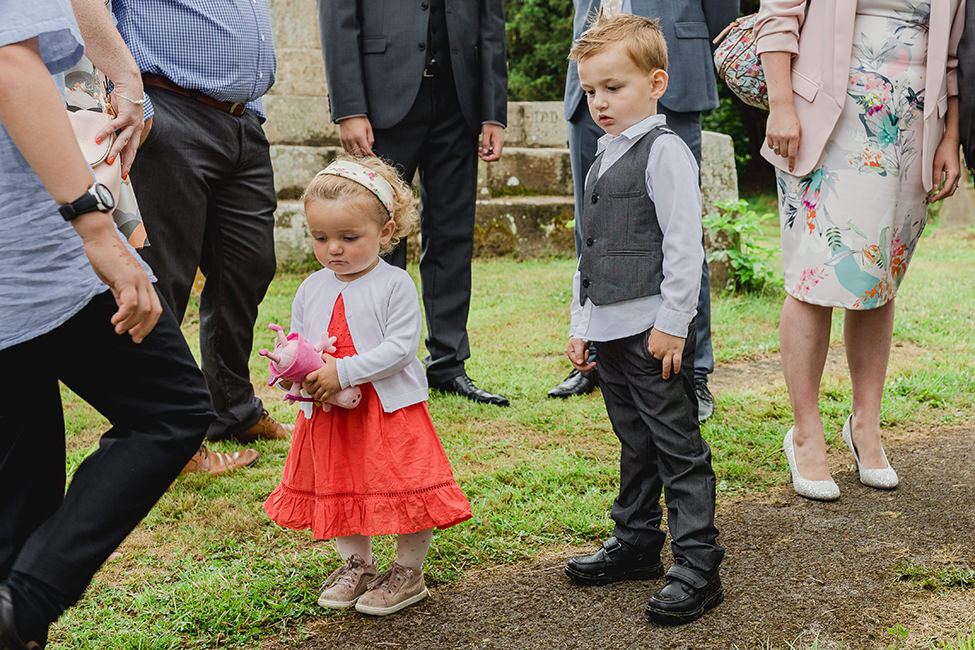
(223, 49)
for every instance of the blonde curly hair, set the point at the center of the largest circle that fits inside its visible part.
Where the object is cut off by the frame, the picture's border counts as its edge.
(328, 187)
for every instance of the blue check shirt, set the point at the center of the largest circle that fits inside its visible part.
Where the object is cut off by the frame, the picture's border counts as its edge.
(222, 48)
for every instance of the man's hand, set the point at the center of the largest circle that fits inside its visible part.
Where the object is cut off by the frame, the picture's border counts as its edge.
(492, 140)
(138, 304)
(356, 136)
(145, 131)
(324, 382)
(666, 348)
(578, 353)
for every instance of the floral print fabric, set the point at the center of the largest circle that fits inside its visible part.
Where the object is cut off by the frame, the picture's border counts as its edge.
(850, 227)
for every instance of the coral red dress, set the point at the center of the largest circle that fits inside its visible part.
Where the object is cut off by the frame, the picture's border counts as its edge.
(364, 471)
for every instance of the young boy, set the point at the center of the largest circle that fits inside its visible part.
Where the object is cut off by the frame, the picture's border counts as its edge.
(635, 293)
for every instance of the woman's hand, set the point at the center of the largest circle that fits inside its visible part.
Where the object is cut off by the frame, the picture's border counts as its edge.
(947, 169)
(947, 165)
(128, 124)
(783, 132)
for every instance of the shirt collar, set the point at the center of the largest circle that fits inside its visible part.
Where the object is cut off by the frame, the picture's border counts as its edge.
(635, 131)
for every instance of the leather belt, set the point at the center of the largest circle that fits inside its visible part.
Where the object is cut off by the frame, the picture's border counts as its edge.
(234, 108)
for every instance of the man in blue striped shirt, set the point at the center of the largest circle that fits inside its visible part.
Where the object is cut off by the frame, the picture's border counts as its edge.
(204, 182)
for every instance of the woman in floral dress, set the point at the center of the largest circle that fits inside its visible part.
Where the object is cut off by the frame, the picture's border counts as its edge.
(863, 132)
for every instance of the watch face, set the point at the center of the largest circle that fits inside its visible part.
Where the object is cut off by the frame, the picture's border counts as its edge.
(104, 196)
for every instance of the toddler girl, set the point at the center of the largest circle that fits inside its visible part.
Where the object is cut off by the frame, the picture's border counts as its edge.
(378, 468)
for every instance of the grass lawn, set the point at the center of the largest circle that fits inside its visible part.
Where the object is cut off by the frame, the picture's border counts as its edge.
(208, 569)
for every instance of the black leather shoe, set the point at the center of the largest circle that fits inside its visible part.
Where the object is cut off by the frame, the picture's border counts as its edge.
(577, 383)
(9, 639)
(463, 386)
(615, 561)
(685, 597)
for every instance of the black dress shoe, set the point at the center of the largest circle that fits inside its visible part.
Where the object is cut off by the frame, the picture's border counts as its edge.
(685, 597)
(577, 383)
(463, 386)
(615, 561)
(9, 639)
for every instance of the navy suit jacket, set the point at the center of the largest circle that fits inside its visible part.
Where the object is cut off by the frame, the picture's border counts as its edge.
(688, 26)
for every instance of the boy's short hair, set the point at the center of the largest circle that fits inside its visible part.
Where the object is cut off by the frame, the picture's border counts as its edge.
(642, 38)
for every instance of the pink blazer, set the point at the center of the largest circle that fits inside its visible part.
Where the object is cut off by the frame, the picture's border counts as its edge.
(821, 41)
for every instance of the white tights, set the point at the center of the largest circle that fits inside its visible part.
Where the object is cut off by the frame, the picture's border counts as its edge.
(411, 549)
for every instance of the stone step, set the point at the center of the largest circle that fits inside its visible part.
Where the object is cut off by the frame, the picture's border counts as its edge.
(524, 226)
(521, 171)
(297, 110)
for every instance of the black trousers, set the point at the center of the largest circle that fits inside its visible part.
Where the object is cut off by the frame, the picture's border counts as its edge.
(434, 138)
(205, 187)
(155, 398)
(656, 423)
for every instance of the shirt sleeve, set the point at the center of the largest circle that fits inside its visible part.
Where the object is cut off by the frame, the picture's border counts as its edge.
(399, 344)
(672, 184)
(52, 22)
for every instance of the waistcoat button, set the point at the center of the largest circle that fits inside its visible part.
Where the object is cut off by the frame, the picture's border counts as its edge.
(585, 283)
(589, 241)
(595, 197)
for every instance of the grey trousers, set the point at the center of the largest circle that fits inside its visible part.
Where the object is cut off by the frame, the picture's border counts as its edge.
(661, 448)
(583, 134)
(205, 187)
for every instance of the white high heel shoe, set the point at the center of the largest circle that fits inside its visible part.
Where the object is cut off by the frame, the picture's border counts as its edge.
(884, 478)
(820, 490)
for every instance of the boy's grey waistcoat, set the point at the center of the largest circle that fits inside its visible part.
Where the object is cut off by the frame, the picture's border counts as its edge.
(622, 244)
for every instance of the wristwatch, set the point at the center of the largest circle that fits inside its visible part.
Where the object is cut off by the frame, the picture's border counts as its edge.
(96, 198)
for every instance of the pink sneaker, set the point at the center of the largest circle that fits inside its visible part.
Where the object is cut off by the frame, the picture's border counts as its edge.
(395, 589)
(347, 583)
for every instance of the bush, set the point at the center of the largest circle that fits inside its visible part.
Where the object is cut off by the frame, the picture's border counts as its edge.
(538, 36)
(736, 236)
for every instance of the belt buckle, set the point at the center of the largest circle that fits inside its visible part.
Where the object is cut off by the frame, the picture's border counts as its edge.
(234, 108)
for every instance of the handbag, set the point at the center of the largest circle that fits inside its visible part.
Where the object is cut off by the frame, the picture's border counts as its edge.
(738, 64)
(89, 110)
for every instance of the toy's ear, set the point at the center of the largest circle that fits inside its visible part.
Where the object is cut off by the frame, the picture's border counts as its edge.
(322, 342)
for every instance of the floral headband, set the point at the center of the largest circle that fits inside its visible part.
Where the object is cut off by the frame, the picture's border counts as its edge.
(365, 177)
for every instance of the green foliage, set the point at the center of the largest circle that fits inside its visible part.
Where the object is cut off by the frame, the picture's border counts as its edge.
(962, 642)
(538, 34)
(739, 228)
(936, 578)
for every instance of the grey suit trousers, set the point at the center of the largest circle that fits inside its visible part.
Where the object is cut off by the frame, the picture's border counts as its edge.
(661, 448)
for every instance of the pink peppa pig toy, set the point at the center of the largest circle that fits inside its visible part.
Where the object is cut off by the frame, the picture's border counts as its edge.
(294, 357)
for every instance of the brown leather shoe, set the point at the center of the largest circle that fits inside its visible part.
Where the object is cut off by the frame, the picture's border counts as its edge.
(267, 428)
(217, 463)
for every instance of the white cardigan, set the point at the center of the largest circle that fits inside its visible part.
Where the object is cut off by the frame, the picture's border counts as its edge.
(383, 314)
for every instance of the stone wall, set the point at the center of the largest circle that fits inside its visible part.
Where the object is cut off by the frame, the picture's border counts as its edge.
(524, 199)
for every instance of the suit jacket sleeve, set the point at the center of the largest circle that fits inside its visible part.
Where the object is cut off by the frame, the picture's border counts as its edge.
(778, 24)
(719, 14)
(340, 30)
(494, 69)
